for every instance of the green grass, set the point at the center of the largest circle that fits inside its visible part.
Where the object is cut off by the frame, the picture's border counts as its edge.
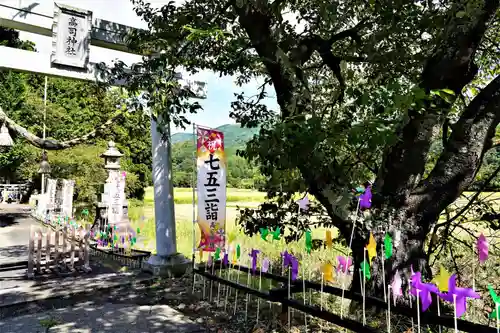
(185, 196)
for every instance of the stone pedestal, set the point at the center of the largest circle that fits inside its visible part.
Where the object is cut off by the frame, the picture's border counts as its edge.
(101, 217)
(170, 266)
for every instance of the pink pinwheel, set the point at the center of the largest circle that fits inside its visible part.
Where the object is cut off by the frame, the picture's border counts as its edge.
(461, 295)
(303, 203)
(343, 264)
(424, 290)
(482, 248)
(265, 265)
(253, 255)
(397, 290)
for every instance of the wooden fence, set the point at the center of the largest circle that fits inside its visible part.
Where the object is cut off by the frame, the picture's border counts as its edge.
(62, 250)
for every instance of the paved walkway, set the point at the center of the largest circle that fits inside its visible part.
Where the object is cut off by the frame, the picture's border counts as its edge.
(21, 300)
(15, 223)
(110, 318)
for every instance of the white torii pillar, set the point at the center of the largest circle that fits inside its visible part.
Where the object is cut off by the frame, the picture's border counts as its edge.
(108, 35)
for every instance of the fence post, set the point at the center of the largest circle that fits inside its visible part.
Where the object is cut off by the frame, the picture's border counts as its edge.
(86, 265)
(56, 245)
(72, 248)
(39, 250)
(48, 240)
(31, 250)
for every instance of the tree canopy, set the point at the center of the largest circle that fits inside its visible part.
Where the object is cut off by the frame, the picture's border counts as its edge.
(365, 90)
(73, 108)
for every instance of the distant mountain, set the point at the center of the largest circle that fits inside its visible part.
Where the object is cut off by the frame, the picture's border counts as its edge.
(234, 135)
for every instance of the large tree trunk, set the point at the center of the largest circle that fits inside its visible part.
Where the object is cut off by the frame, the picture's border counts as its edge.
(409, 236)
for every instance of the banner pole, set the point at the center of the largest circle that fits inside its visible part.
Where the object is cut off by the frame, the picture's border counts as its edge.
(193, 186)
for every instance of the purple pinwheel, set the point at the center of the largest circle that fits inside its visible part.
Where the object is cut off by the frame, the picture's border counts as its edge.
(343, 264)
(265, 265)
(460, 294)
(482, 248)
(424, 290)
(292, 262)
(365, 199)
(225, 260)
(210, 260)
(253, 255)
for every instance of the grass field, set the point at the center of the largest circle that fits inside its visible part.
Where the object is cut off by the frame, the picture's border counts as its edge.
(143, 217)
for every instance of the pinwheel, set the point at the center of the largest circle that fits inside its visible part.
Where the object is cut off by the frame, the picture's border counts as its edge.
(291, 262)
(458, 296)
(303, 203)
(388, 246)
(344, 264)
(396, 286)
(423, 289)
(253, 254)
(482, 248)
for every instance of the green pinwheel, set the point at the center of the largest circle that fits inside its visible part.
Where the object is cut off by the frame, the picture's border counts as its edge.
(276, 233)
(264, 232)
(217, 253)
(365, 268)
(308, 241)
(496, 302)
(388, 246)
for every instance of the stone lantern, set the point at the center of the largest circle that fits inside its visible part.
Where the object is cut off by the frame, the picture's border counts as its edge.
(112, 158)
(112, 207)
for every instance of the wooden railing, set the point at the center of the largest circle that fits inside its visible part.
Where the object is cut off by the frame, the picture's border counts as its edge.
(62, 250)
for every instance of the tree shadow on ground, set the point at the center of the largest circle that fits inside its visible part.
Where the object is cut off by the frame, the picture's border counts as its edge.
(14, 251)
(7, 220)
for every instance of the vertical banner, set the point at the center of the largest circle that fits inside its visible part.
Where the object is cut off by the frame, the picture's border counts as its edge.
(211, 187)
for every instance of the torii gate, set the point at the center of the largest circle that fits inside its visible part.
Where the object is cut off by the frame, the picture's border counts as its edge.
(72, 61)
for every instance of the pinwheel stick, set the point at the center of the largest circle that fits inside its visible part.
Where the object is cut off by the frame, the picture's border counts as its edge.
(343, 294)
(383, 272)
(205, 281)
(260, 288)
(364, 290)
(439, 312)
(270, 285)
(389, 309)
(228, 277)
(455, 312)
(289, 296)
(321, 298)
(248, 295)
(418, 310)
(218, 285)
(236, 295)
(497, 308)
(304, 294)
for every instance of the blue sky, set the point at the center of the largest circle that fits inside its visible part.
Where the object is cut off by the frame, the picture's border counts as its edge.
(220, 90)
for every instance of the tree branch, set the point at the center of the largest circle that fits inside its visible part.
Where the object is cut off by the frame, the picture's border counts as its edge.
(452, 67)
(463, 154)
(52, 144)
